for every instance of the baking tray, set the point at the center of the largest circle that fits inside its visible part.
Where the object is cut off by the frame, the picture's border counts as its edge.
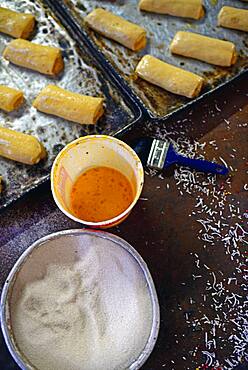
(81, 75)
(161, 29)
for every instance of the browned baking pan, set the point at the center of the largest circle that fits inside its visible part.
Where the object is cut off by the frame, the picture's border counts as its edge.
(160, 31)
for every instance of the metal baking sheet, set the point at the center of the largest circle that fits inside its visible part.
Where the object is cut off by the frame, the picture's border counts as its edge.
(161, 30)
(80, 75)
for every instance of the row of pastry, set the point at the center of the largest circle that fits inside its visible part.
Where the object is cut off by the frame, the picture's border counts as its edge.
(21, 25)
(17, 145)
(229, 17)
(134, 37)
(56, 101)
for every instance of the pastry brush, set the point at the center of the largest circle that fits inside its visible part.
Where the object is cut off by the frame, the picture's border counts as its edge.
(160, 154)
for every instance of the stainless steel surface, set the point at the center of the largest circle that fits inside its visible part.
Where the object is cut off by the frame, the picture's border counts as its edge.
(79, 75)
(5, 318)
(161, 30)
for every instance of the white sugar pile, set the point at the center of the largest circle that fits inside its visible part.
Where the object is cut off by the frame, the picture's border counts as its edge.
(93, 312)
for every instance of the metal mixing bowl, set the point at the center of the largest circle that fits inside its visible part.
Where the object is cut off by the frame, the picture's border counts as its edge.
(13, 276)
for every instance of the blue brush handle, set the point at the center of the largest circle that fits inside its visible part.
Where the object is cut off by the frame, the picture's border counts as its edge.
(202, 165)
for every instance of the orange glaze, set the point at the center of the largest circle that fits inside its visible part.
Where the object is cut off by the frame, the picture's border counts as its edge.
(100, 194)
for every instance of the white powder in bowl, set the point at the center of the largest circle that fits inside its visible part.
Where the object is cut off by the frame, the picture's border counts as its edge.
(80, 303)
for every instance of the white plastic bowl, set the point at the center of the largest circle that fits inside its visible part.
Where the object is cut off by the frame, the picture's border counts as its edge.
(92, 151)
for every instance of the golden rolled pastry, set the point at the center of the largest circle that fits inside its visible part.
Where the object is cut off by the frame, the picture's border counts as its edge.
(170, 78)
(10, 99)
(20, 147)
(207, 49)
(44, 59)
(116, 28)
(179, 8)
(18, 25)
(235, 18)
(68, 105)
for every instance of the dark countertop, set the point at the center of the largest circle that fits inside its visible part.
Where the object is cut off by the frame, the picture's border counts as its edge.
(188, 227)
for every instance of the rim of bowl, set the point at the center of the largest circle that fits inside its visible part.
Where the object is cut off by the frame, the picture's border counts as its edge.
(121, 215)
(4, 304)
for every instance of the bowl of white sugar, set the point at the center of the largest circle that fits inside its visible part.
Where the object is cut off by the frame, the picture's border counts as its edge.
(80, 300)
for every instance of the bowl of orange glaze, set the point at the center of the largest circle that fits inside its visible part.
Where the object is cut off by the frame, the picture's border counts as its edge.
(96, 180)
